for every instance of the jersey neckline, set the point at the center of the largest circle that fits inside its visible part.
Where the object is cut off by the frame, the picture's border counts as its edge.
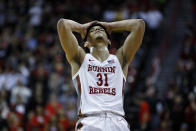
(99, 60)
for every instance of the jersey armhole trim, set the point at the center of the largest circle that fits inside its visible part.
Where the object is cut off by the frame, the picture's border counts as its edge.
(121, 68)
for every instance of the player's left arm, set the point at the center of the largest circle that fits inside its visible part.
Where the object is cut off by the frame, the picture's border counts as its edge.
(127, 51)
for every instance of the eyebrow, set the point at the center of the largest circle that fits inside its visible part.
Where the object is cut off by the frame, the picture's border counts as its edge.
(98, 27)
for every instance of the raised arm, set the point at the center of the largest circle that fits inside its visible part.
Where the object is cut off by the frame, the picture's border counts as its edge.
(133, 41)
(74, 52)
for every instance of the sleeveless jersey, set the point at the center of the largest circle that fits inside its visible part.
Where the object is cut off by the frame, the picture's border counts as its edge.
(100, 86)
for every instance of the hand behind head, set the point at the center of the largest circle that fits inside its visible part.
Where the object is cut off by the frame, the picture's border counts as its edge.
(85, 27)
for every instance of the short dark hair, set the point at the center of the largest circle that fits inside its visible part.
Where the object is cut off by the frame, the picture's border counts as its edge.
(88, 29)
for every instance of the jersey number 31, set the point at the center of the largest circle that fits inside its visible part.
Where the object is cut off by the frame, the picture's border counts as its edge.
(100, 79)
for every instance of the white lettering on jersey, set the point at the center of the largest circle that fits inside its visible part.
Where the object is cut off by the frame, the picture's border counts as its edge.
(100, 85)
(101, 69)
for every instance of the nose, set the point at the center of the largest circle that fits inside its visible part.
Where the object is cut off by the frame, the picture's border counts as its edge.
(97, 29)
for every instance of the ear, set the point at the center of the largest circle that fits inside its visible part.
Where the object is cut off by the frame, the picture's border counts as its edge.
(86, 44)
(109, 42)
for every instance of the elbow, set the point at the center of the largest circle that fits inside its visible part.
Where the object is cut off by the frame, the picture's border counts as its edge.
(62, 24)
(136, 25)
(141, 24)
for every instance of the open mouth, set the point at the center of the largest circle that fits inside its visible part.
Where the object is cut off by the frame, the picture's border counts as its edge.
(99, 38)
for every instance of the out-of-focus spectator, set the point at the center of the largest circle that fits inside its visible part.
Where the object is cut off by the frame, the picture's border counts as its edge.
(21, 91)
(39, 96)
(54, 124)
(36, 13)
(190, 111)
(144, 113)
(165, 123)
(52, 107)
(9, 79)
(19, 107)
(29, 123)
(113, 14)
(176, 113)
(154, 18)
(4, 94)
(37, 121)
(4, 110)
(132, 74)
(152, 100)
(14, 123)
(64, 121)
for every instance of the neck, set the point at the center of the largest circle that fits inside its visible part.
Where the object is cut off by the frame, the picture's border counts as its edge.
(100, 52)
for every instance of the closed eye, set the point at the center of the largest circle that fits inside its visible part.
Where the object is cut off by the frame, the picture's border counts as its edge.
(100, 29)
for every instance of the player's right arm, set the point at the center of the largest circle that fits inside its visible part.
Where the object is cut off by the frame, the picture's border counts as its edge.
(74, 53)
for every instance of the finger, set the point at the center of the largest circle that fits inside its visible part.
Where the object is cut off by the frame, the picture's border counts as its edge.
(93, 22)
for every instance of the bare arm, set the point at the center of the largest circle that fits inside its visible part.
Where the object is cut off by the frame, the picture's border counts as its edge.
(74, 53)
(133, 41)
(68, 41)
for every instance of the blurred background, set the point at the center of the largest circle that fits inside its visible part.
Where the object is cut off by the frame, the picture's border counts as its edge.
(36, 90)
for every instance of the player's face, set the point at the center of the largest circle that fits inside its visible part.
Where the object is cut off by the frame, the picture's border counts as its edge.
(97, 33)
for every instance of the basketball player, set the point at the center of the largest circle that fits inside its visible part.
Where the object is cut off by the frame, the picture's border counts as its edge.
(98, 76)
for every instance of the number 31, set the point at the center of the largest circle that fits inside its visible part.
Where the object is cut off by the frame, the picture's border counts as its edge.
(100, 79)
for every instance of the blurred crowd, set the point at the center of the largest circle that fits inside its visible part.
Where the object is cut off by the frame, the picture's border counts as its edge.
(176, 109)
(36, 90)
